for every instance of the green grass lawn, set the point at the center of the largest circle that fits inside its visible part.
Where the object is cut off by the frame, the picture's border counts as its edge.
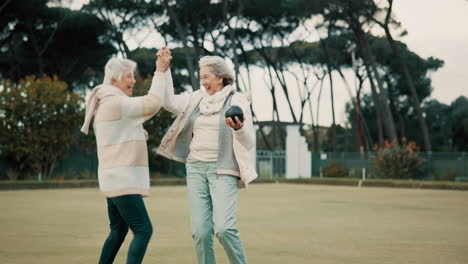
(279, 223)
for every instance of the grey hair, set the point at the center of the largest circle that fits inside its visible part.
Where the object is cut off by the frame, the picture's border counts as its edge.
(115, 68)
(219, 67)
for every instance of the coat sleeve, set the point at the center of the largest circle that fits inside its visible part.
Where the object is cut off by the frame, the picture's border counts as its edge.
(145, 107)
(244, 145)
(246, 135)
(170, 101)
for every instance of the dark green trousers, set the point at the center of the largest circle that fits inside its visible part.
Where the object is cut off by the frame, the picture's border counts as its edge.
(124, 212)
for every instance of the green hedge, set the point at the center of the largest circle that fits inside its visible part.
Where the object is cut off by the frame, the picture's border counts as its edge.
(50, 184)
(439, 185)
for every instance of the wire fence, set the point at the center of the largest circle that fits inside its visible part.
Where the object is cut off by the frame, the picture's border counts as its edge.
(271, 164)
(448, 166)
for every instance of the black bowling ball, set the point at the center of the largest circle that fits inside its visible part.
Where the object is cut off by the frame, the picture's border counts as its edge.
(234, 111)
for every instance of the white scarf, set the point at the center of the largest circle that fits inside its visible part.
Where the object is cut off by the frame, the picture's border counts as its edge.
(97, 96)
(211, 104)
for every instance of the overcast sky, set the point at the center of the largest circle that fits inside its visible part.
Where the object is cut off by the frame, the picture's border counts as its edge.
(440, 29)
(435, 28)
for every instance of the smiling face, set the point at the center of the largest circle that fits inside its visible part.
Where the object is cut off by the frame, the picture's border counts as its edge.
(210, 81)
(125, 83)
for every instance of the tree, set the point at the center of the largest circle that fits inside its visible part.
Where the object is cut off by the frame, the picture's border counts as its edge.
(54, 41)
(448, 124)
(398, 92)
(122, 17)
(440, 125)
(406, 73)
(459, 118)
(354, 14)
(145, 59)
(40, 120)
(190, 23)
(343, 137)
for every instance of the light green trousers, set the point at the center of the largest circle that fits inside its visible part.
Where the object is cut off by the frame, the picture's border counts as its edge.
(213, 209)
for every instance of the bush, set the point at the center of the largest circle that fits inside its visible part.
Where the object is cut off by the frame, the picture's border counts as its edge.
(395, 161)
(87, 175)
(12, 174)
(39, 120)
(335, 170)
(264, 173)
(67, 175)
(447, 175)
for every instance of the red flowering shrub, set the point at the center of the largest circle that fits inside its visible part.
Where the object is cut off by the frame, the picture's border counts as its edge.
(395, 161)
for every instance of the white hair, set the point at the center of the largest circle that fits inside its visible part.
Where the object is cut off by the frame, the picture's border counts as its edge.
(219, 67)
(116, 67)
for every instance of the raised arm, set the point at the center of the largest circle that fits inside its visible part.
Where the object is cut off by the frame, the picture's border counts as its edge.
(145, 107)
(163, 85)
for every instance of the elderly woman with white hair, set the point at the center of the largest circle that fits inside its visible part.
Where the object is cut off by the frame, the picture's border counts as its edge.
(219, 155)
(122, 152)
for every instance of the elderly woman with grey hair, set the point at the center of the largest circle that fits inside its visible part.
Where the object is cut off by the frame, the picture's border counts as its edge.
(122, 152)
(219, 155)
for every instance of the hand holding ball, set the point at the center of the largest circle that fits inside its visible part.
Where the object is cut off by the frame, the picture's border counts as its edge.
(234, 111)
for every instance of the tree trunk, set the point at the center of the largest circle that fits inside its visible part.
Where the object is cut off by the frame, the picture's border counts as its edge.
(118, 35)
(357, 106)
(233, 40)
(329, 69)
(377, 105)
(368, 142)
(364, 48)
(260, 129)
(280, 77)
(282, 83)
(333, 128)
(387, 117)
(394, 108)
(359, 122)
(407, 76)
(414, 94)
(315, 145)
(316, 130)
(4, 5)
(183, 36)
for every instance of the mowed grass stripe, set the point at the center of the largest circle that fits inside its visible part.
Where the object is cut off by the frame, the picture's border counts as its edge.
(279, 223)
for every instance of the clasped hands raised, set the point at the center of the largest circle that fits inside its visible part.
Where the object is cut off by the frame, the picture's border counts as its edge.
(164, 58)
